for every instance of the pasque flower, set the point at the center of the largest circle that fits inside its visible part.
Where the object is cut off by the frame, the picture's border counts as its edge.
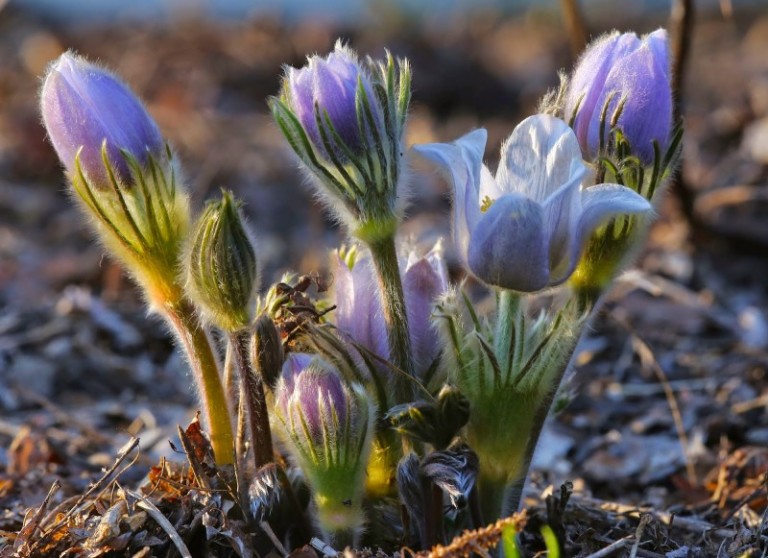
(345, 120)
(620, 69)
(327, 424)
(525, 228)
(84, 107)
(359, 314)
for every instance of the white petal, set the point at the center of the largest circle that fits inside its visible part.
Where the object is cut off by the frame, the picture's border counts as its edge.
(508, 248)
(562, 210)
(536, 159)
(462, 163)
(599, 204)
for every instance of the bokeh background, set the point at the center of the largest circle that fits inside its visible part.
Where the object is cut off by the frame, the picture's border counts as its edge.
(82, 368)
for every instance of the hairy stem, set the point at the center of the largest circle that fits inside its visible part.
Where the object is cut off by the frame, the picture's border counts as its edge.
(252, 389)
(505, 343)
(205, 369)
(395, 317)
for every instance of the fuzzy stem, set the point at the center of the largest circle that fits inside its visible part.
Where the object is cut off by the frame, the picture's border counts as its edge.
(393, 304)
(507, 309)
(205, 369)
(491, 493)
(252, 388)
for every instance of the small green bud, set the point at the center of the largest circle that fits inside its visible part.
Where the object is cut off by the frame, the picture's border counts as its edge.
(267, 350)
(221, 266)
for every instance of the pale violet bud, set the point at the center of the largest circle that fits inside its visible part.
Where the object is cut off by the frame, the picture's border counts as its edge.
(329, 85)
(345, 118)
(327, 425)
(525, 228)
(359, 315)
(620, 71)
(221, 267)
(84, 107)
(121, 170)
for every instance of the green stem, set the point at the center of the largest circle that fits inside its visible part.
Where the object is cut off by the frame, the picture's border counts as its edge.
(252, 388)
(505, 343)
(205, 369)
(395, 317)
(491, 493)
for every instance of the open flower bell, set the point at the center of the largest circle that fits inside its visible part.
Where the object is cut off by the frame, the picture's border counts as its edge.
(525, 228)
(622, 71)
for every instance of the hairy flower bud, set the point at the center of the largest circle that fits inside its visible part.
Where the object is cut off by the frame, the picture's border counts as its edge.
(221, 266)
(84, 107)
(267, 350)
(328, 426)
(120, 168)
(621, 72)
(345, 121)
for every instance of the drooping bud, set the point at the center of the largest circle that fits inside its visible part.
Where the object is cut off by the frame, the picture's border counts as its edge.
(454, 470)
(327, 425)
(120, 168)
(221, 268)
(267, 350)
(625, 79)
(345, 121)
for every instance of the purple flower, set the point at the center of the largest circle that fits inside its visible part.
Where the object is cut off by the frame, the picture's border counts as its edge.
(311, 391)
(620, 68)
(83, 107)
(327, 425)
(358, 306)
(525, 228)
(330, 84)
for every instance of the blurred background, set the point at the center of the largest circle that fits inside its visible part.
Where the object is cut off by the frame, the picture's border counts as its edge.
(82, 367)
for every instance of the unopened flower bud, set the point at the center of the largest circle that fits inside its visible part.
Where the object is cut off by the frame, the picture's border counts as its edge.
(120, 169)
(84, 107)
(621, 72)
(221, 266)
(267, 350)
(327, 425)
(345, 121)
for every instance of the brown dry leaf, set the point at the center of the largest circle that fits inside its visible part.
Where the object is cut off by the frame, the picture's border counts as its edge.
(169, 480)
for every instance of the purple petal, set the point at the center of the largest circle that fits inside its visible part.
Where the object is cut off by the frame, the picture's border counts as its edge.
(536, 159)
(462, 163)
(599, 204)
(357, 304)
(422, 284)
(587, 84)
(84, 105)
(508, 247)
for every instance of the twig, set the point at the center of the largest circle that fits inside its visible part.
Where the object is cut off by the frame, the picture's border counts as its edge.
(29, 529)
(95, 488)
(611, 548)
(645, 519)
(648, 361)
(267, 528)
(162, 521)
(323, 548)
(693, 525)
(574, 24)
(469, 541)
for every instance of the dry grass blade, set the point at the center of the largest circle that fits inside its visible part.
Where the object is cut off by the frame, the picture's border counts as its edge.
(162, 521)
(25, 535)
(469, 542)
(649, 362)
(611, 548)
(94, 490)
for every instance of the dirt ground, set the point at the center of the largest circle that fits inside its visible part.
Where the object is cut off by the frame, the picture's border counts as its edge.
(665, 441)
